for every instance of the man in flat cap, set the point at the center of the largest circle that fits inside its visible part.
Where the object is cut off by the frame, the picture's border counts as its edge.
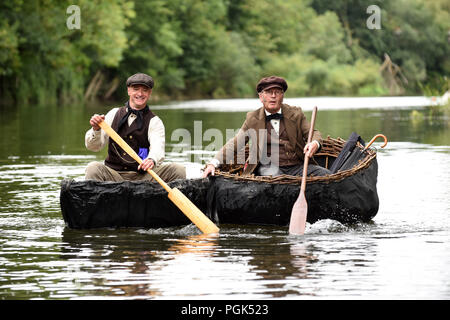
(141, 129)
(278, 133)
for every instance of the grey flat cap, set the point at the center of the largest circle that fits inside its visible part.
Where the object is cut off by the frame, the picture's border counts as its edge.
(140, 78)
(271, 82)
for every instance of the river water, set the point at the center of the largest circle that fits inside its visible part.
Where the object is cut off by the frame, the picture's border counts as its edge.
(404, 253)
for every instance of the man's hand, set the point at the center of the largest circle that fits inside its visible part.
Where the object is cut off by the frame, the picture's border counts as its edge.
(310, 149)
(95, 120)
(209, 170)
(146, 164)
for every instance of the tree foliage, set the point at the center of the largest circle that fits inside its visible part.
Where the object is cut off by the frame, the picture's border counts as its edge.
(219, 48)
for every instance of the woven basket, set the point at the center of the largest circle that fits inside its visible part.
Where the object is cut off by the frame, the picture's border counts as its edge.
(328, 153)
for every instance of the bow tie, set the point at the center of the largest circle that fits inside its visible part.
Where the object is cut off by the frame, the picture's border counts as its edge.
(137, 113)
(274, 116)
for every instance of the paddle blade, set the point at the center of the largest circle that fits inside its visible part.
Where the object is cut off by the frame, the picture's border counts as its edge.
(299, 212)
(192, 212)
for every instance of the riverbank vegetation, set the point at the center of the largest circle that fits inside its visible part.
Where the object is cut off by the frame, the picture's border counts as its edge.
(220, 48)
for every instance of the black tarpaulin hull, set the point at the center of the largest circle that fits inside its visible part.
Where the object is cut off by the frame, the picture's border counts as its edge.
(351, 199)
(228, 197)
(93, 204)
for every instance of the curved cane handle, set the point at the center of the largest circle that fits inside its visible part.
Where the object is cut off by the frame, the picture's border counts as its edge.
(375, 138)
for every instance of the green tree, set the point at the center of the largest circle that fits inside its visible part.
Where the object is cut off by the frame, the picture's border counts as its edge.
(218, 48)
(48, 61)
(415, 34)
(185, 46)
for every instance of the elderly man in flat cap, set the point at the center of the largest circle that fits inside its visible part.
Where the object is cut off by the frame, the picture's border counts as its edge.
(279, 133)
(141, 129)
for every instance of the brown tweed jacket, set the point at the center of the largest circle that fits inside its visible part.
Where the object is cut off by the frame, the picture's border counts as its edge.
(254, 129)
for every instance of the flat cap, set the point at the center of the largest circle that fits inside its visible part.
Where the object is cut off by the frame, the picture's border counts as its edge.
(271, 82)
(140, 78)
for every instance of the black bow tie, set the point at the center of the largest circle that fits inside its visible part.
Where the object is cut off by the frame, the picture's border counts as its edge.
(137, 113)
(274, 116)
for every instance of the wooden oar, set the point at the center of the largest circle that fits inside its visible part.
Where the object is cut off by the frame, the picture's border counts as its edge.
(176, 196)
(299, 212)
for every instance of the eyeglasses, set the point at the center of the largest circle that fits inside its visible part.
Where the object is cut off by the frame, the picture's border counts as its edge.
(270, 92)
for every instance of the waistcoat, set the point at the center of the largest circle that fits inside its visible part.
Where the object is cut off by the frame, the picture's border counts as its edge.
(136, 138)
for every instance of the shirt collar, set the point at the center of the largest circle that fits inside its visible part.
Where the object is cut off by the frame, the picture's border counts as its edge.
(268, 113)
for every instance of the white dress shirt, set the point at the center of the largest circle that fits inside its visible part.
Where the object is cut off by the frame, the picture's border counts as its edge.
(96, 140)
(274, 122)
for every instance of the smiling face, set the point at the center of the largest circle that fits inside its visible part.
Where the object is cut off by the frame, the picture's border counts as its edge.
(139, 95)
(272, 99)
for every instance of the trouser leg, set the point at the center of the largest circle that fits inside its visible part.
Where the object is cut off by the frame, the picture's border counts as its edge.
(98, 171)
(169, 172)
(297, 170)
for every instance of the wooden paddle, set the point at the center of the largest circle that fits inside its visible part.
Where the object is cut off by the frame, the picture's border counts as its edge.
(176, 196)
(299, 212)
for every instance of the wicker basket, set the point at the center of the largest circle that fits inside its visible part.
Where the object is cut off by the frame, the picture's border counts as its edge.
(328, 153)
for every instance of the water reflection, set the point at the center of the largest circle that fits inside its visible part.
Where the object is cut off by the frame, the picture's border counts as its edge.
(199, 266)
(200, 244)
(120, 260)
(142, 264)
(132, 262)
(283, 272)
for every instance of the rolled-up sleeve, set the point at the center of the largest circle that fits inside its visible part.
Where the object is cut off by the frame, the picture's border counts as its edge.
(96, 140)
(157, 140)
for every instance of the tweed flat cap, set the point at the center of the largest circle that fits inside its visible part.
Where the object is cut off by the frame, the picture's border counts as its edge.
(271, 82)
(140, 78)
